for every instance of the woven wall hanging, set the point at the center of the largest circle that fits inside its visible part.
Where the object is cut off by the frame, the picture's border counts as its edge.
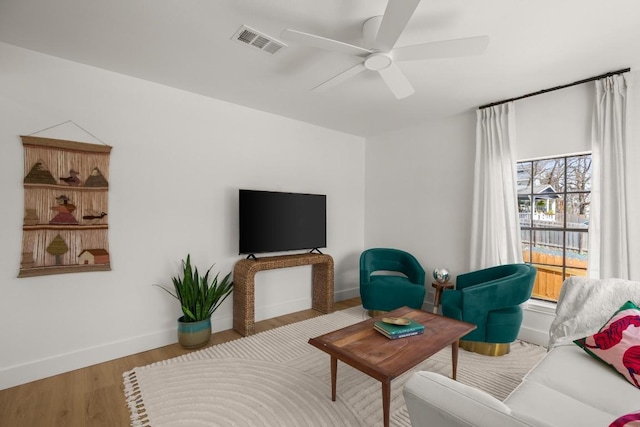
(66, 187)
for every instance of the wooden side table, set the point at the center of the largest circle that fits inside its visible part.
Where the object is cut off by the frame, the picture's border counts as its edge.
(439, 288)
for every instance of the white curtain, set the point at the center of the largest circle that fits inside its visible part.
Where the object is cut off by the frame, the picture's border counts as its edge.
(495, 228)
(609, 216)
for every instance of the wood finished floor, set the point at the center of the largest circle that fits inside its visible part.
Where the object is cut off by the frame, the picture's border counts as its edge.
(94, 396)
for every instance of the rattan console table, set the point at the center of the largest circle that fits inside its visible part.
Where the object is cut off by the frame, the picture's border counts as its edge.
(244, 285)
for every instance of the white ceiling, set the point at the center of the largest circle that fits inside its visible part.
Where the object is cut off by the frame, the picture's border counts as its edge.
(187, 44)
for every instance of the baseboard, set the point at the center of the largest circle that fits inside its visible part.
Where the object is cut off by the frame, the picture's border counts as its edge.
(275, 310)
(534, 336)
(536, 323)
(58, 364)
(44, 368)
(347, 294)
(289, 307)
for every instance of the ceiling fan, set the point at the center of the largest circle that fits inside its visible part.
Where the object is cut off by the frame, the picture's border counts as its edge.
(380, 34)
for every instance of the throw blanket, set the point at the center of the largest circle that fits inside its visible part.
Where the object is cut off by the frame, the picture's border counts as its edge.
(585, 305)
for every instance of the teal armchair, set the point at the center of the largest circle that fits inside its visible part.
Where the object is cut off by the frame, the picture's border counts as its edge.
(389, 279)
(490, 299)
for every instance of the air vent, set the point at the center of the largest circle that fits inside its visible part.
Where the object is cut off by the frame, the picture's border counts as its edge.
(250, 37)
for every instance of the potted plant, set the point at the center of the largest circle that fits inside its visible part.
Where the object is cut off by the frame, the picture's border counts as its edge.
(199, 298)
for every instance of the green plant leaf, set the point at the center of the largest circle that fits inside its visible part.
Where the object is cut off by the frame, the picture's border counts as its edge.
(199, 296)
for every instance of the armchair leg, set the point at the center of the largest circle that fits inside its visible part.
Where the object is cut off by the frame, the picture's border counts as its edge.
(486, 348)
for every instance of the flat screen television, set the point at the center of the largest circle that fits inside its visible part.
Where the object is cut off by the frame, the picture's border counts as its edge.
(273, 221)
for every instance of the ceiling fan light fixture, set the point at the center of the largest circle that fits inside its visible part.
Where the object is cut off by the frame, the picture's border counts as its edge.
(378, 61)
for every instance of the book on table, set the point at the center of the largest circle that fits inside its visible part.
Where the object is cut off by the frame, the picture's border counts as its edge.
(399, 331)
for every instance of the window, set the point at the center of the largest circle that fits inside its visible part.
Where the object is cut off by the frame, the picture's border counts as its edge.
(554, 197)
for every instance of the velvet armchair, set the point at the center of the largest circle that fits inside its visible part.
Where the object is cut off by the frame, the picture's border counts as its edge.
(490, 298)
(389, 279)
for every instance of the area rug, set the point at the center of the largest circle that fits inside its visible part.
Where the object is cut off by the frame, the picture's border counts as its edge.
(275, 378)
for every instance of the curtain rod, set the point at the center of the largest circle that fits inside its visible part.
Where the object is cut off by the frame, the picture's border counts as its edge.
(540, 92)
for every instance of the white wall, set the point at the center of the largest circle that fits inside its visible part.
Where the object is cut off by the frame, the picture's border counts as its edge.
(418, 192)
(555, 123)
(177, 163)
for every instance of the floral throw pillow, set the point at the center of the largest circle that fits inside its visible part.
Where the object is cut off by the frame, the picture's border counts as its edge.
(628, 420)
(618, 342)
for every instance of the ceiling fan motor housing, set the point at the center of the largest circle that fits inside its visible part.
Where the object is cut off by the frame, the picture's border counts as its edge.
(370, 30)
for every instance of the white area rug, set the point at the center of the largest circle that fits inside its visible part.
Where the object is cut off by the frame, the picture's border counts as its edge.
(276, 378)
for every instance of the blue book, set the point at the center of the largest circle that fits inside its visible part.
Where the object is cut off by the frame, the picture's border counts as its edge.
(399, 331)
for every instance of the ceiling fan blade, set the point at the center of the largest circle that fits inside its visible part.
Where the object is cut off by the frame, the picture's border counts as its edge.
(323, 43)
(396, 80)
(395, 19)
(336, 80)
(442, 49)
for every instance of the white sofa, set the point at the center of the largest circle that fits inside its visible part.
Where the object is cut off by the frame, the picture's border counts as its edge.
(567, 387)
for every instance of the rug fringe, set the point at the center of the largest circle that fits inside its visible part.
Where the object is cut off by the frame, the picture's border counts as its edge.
(133, 397)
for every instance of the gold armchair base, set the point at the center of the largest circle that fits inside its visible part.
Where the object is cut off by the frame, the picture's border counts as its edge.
(375, 313)
(486, 348)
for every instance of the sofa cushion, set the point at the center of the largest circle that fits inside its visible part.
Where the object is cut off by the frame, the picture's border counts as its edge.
(617, 343)
(434, 400)
(540, 404)
(569, 381)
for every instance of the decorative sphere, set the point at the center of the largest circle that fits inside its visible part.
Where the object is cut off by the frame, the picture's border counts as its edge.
(441, 275)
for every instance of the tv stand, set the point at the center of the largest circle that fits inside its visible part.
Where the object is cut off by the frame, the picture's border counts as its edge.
(244, 285)
(316, 250)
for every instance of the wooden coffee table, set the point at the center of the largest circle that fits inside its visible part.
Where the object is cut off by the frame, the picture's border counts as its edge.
(361, 347)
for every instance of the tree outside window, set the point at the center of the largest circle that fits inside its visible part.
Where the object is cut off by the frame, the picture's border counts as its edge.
(554, 196)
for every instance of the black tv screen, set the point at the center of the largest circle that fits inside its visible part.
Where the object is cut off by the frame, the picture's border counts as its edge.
(273, 221)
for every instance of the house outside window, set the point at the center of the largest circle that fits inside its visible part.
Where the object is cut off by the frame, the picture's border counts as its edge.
(554, 196)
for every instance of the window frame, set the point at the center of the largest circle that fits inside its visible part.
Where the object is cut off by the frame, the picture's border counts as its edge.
(563, 195)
